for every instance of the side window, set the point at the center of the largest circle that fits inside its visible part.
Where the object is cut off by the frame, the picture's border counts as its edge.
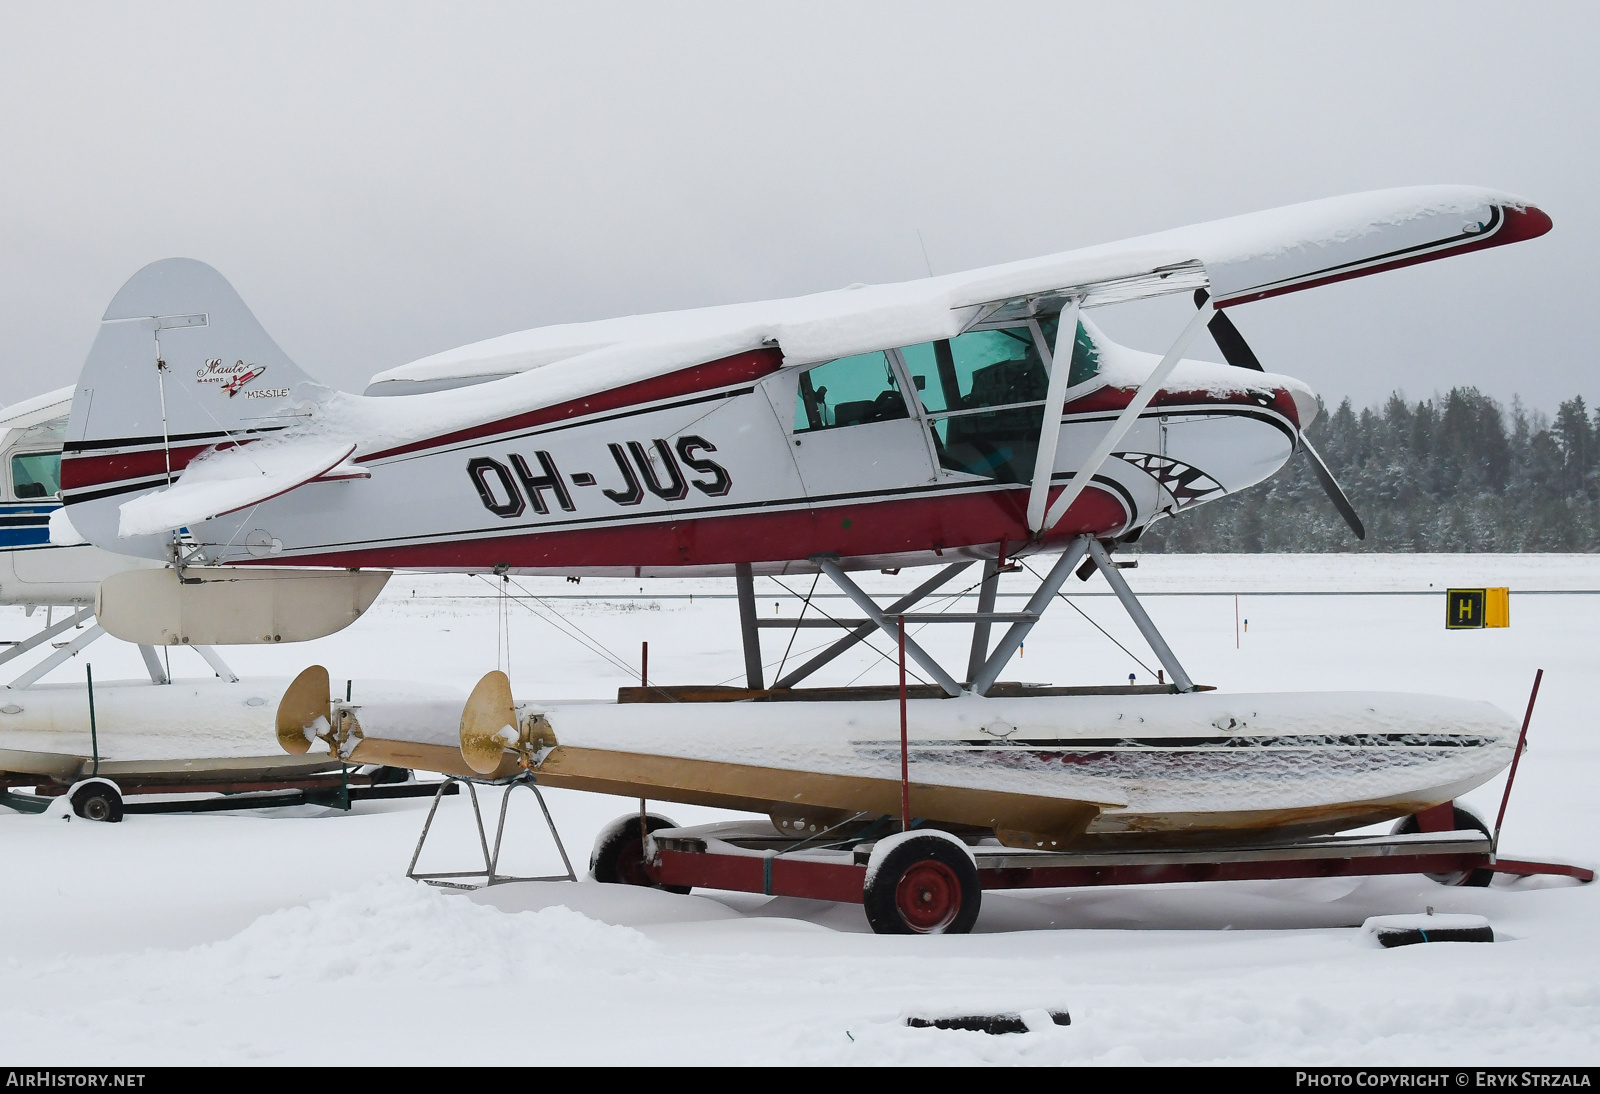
(850, 391)
(36, 475)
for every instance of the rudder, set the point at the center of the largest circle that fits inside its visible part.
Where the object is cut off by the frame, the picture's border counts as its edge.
(179, 365)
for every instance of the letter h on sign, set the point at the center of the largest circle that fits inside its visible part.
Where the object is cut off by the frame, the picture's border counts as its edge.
(1464, 609)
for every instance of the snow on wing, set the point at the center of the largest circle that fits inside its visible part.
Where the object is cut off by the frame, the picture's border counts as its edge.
(1239, 258)
(228, 480)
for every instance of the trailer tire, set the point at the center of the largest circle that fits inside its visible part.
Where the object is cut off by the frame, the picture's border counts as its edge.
(98, 801)
(618, 855)
(925, 885)
(1465, 820)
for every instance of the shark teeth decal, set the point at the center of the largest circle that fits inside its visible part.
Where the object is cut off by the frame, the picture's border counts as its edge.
(1187, 485)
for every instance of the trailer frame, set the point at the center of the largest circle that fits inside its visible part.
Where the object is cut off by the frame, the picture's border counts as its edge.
(754, 858)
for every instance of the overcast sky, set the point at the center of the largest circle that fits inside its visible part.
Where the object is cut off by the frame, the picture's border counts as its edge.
(384, 181)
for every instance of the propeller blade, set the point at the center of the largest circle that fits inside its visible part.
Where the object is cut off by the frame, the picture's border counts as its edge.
(1331, 487)
(1237, 352)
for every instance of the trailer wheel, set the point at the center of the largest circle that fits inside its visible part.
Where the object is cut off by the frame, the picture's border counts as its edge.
(1465, 820)
(618, 855)
(926, 885)
(98, 802)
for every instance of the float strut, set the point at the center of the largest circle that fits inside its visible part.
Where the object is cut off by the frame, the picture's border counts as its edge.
(1163, 652)
(1012, 640)
(745, 581)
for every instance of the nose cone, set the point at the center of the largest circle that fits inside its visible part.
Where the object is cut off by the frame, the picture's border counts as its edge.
(1305, 403)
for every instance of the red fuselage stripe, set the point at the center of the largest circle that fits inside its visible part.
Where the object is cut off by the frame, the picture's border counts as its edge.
(86, 472)
(741, 368)
(878, 528)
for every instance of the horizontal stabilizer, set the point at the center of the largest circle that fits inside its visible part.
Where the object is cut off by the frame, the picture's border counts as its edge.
(229, 480)
(227, 605)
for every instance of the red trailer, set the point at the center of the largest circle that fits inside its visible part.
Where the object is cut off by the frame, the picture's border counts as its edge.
(927, 881)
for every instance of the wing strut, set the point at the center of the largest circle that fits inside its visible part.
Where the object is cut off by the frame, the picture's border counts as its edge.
(1055, 398)
(1126, 419)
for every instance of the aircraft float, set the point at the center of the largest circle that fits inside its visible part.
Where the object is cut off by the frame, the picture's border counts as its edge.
(969, 419)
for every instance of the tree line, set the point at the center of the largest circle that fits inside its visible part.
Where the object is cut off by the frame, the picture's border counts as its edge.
(1457, 472)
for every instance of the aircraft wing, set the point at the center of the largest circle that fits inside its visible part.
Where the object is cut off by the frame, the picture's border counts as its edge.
(1238, 259)
(37, 410)
(229, 480)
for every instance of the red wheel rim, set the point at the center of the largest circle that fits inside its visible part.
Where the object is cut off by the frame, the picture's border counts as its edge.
(928, 896)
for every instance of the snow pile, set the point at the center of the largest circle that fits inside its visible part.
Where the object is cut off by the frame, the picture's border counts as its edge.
(393, 972)
(399, 930)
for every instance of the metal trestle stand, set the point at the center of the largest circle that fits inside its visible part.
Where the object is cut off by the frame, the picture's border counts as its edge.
(490, 874)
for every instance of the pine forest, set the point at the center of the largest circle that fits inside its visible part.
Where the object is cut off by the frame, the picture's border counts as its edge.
(1457, 472)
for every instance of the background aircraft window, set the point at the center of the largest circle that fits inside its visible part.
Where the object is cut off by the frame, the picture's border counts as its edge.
(849, 391)
(36, 475)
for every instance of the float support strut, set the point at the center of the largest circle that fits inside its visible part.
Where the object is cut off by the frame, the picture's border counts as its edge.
(218, 665)
(1163, 652)
(860, 633)
(980, 630)
(984, 679)
(865, 603)
(56, 658)
(49, 632)
(745, 581)
(152, 664)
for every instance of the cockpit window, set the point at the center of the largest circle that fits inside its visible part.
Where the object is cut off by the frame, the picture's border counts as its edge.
(850, 391)
(984, 392)
(1085, 357)
(36, 475)
(981, 369)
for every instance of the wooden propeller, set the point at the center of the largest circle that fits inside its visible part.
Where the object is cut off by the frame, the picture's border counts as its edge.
(490, 728)
(489, 723)
(306, 702)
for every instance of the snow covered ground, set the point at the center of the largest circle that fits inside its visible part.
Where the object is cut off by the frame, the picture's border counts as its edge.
(291, 936)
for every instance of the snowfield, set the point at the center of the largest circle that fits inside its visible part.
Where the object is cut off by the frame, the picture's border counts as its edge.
(291, 936)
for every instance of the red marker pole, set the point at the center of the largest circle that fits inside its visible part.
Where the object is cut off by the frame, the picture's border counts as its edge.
(644, 664)
(1511, 778)
(905, 759)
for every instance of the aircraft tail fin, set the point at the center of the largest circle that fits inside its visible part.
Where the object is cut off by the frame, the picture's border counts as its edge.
(180, 366)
